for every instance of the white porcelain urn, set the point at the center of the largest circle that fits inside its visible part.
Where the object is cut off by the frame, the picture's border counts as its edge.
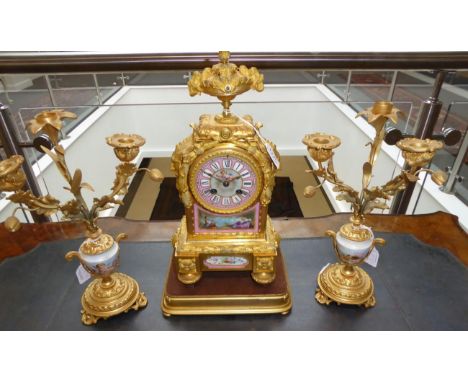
(99, 255)
(354, 242)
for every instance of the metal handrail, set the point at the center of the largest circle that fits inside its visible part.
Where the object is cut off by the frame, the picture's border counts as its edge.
(66, 62)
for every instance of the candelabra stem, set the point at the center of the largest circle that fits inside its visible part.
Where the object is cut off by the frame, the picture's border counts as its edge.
(107, 282)
(377, 143)
(348, 270)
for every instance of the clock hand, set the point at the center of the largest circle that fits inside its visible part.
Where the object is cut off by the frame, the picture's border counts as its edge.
(220, 179)
(210, 175)
(235, 177)
(227, 179)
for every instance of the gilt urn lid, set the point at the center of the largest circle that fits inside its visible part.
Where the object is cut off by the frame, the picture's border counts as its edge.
(98, 245)
(356, 232)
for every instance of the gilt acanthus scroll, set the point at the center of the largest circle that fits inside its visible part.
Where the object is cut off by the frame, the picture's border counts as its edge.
(225, 80)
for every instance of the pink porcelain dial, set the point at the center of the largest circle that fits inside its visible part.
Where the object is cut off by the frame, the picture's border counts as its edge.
(226, 183)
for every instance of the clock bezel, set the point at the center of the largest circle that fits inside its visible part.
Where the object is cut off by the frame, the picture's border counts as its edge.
(218, 151)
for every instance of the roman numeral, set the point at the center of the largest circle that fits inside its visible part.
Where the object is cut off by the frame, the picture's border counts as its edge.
(245, 174)
(236, 199)
(215, 199)
(226, 201)
(227, 163)
(215, 166)
(237, 166)
(205, 182)
(244, 193)
(247, 183)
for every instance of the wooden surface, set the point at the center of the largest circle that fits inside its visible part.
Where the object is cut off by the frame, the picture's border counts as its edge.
(438, 229)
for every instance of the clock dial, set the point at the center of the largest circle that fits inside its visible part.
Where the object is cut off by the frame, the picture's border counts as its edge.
(225, 182)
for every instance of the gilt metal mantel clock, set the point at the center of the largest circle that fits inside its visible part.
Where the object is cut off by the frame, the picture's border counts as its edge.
(225, 176)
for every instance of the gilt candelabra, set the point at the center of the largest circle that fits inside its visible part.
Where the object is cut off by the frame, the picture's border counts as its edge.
(111, 293)
(345, 282)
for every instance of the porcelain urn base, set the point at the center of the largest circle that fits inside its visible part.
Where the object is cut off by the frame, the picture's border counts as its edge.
(107, 297)
(345, 284)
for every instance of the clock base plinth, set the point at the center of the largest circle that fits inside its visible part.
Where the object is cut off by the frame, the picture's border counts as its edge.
(259, 252)
(227, 293)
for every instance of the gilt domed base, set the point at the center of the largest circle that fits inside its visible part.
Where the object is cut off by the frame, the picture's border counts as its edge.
(345, 285)
(104, 298)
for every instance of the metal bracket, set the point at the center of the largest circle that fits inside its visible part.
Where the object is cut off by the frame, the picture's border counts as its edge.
(449, 135)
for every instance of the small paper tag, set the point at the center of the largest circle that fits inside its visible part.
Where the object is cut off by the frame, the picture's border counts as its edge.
(268, 147)
(272, 154)
(82, 274)
(373, 258)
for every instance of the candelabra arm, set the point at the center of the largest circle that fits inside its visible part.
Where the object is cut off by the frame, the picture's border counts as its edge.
(345, 192)
(46, 205)
(126, 148)
(390, 188)
(123, 172)
(154, 174)
(328, 174)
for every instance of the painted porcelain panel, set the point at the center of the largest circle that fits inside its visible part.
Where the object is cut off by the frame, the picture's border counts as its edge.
(226, 262)
(102, 264)
(353, 248)
(207, 222)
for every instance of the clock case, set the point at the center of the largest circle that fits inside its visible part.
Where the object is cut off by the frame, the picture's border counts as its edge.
(267, 291)
(220, 135)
